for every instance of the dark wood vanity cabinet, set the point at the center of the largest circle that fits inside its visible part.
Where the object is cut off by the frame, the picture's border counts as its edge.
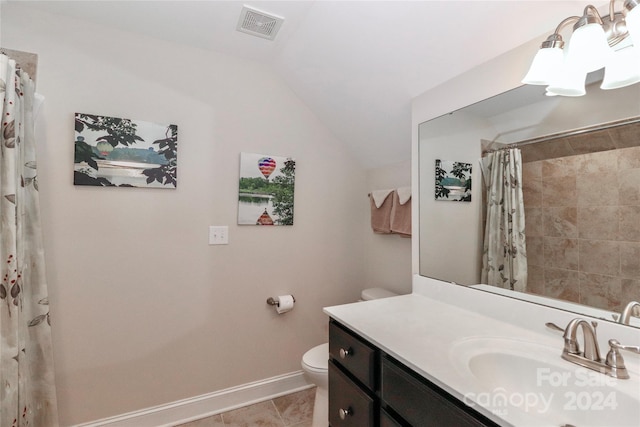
(369, 388)
(422, 403)
(349, 405)
(352, 379)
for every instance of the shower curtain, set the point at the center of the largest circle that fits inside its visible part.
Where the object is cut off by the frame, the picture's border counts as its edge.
(27, 389)
(504, 256)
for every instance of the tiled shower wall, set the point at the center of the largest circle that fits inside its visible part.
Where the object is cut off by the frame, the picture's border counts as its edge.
(583, 226)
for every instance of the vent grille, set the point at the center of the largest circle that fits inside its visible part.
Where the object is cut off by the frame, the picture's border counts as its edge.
(258, 23)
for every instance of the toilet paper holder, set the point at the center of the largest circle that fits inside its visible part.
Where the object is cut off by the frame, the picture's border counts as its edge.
(274, 301)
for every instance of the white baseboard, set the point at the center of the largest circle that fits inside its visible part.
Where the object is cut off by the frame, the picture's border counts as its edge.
(183, 411)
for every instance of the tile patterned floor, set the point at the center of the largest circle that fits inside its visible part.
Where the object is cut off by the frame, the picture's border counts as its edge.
(292, 410)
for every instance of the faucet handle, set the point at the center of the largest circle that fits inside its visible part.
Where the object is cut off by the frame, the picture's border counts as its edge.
(615, 360)
(616, 344)
(554, 327)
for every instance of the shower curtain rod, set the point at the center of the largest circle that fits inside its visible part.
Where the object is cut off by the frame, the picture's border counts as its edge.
(574, 132)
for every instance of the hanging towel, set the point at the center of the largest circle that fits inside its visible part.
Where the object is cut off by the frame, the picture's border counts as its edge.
(404, 194)
(401, 212)
(380, 196)
(381, 205)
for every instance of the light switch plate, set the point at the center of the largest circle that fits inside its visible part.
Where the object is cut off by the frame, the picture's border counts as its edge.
(218, 235)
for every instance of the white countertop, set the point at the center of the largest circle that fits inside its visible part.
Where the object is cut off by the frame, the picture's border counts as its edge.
(422, 333)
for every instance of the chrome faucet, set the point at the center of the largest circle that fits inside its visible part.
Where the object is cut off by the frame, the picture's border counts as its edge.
(613, 365)
(625, 317)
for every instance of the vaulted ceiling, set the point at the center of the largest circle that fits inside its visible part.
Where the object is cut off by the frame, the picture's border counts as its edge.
(356, 64)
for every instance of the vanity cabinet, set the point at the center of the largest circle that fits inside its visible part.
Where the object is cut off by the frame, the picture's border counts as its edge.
(367, 387)
(349, 405)
(352, 379)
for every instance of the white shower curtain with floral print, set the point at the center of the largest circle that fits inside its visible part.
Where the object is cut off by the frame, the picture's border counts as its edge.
(504, 257)
(27, 389)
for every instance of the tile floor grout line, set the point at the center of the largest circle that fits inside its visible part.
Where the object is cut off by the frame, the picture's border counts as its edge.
(284, 424)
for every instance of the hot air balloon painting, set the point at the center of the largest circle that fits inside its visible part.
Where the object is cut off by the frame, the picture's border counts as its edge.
(115, 152)
(266, 190)
(266, 166)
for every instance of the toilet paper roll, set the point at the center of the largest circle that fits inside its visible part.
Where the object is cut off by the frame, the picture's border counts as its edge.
(285, 303)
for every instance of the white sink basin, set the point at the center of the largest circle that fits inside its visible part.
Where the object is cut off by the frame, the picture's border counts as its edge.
(529, 384)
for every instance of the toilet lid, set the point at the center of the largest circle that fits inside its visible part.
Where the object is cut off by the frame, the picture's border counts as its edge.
(317, 357)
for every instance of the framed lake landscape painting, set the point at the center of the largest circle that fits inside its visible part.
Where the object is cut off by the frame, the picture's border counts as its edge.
(266, 187)
(453, 181)
(115, 152)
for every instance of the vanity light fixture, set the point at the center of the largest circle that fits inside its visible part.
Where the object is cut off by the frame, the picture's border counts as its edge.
(611, 42)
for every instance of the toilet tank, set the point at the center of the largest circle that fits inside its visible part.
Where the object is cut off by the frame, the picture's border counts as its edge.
(376, 293)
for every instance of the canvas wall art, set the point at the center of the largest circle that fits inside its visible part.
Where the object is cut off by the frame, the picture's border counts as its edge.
(266, 189)
(453, 181)
(115, 152)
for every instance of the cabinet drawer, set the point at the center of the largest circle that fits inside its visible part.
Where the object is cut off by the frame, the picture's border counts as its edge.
(358, 357)
(422, 404)
(349, 406)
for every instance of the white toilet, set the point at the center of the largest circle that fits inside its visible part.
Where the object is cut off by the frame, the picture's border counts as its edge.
(315, 364)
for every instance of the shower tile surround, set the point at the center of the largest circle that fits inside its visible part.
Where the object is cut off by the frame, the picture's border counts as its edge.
(582, 210)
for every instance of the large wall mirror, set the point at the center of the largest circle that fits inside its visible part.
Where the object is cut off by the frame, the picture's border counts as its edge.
(581, 187)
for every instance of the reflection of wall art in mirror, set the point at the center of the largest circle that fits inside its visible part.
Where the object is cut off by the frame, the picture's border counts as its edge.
(114, 152)
(266, 189)
(453, 181)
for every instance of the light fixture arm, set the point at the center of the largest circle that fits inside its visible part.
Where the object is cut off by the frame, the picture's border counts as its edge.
(612, 10)
(595, 12)
(565, 22)
(588, 18)
(555, 39)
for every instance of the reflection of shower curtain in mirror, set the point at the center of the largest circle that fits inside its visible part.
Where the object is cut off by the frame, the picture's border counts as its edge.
(504, 256)
(27, 395)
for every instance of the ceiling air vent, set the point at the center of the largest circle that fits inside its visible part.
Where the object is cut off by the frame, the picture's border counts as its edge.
(258, 23)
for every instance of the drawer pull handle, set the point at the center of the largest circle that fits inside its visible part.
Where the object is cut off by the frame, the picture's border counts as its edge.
(344, 353)
(344, 413)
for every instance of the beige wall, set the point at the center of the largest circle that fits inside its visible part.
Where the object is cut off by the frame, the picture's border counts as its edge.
(450, 232)
(387, 256)
(144, 311)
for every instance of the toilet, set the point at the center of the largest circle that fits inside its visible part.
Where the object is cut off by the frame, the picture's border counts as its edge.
(315, 365)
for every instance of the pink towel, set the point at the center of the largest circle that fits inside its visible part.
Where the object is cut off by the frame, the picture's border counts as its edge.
(381, 205)
(401, 214)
